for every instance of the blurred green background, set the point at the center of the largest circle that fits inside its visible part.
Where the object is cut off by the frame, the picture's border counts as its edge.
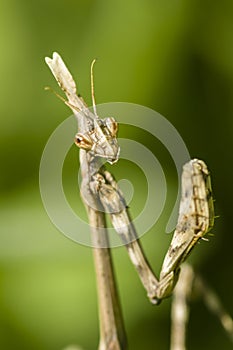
(173, 56)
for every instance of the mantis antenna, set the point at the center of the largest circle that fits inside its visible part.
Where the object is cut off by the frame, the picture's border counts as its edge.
(92, 88)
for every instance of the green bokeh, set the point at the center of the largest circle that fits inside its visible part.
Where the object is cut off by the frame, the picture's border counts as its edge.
(173, 56)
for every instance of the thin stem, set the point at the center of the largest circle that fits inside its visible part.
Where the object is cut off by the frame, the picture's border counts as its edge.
(112, 332)
(214, 304)
(180, 308)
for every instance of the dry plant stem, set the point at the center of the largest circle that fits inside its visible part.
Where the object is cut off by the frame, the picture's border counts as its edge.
(191, 284)
(214, 304)
(112, 333)
(180, 308)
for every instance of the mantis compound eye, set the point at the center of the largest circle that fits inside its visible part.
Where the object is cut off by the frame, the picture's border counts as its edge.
(83, 141)
(112, 126)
